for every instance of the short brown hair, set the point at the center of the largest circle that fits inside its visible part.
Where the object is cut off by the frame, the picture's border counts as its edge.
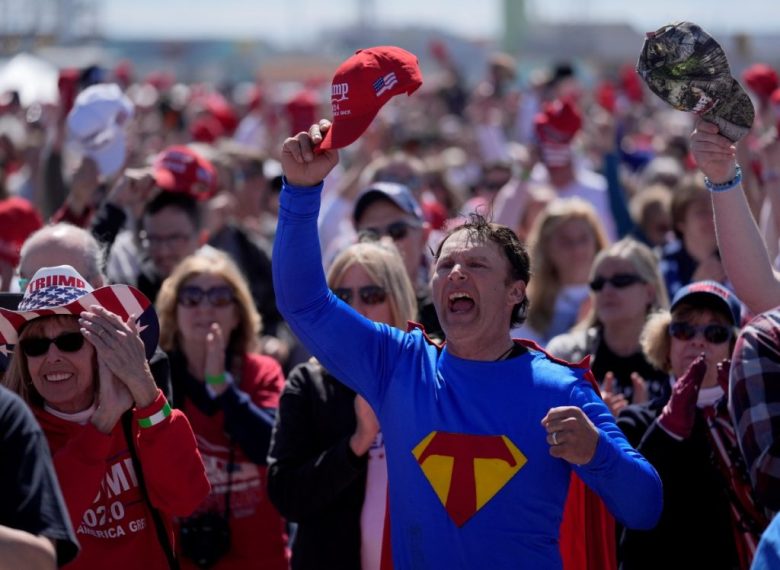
(519, 263)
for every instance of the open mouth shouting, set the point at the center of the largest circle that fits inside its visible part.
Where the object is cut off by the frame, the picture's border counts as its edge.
(460, 302)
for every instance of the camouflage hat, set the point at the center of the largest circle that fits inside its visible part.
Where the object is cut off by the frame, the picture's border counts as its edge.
(687, 68)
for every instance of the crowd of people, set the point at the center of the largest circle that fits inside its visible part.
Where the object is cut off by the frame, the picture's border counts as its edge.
(516, 324)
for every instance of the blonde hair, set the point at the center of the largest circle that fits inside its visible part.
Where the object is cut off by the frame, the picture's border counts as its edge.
(644, 262)
(544, 287)
(211, 262)
(656, 341)
(17, 377)
(386, 269)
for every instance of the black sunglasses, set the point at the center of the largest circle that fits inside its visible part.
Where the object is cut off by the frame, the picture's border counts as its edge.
(714, 334)
(369, 294)
(38, 346)
(397, 231)
(619, 281)
(192, 296)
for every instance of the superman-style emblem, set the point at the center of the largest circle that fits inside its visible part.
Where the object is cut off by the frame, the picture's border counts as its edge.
(466, 471)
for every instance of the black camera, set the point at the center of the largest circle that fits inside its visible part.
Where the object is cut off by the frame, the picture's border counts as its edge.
(205, 538)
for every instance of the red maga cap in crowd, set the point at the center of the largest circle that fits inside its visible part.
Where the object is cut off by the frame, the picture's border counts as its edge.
(362, 85)
(181, 169)
(761, 79)
(558, 122)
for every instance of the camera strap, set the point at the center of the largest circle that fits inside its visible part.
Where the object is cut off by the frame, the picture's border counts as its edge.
(159, 525)
(230, 466)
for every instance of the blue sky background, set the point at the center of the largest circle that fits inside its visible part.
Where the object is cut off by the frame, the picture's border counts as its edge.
(287, 21)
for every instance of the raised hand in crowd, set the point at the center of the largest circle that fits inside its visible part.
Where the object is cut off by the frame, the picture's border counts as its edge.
(119, 345)
(615, 401)
(715, 154)
(133, 190)
(742, 248)
(301, 165)
(83, 186)
(679, 414)
(641, 393)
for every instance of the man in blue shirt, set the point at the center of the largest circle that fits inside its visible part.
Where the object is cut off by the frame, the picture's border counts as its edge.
(482, 434)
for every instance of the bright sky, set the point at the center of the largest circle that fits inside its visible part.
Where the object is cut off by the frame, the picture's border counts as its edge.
(284, 21)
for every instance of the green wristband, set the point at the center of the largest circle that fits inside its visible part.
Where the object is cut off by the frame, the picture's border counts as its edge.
(155, 419)
(215, 379)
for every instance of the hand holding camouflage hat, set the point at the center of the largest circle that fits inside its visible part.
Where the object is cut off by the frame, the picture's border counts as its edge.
(688, 69)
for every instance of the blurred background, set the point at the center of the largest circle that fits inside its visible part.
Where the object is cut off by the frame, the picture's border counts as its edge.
(238, 40)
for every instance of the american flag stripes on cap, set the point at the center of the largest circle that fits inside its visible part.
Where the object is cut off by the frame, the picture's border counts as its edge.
(62, 291)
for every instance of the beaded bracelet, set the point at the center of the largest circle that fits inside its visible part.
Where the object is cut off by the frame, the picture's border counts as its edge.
(722, 187)
(155, 419)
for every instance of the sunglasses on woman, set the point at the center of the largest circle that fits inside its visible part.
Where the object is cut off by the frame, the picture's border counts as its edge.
(618, 281)
(192, 296)
(397, 231)
(38, 346)
(713, 333)
(369, 294)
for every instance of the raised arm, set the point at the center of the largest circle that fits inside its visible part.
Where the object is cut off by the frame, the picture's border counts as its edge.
(355, 349)
(742, 248)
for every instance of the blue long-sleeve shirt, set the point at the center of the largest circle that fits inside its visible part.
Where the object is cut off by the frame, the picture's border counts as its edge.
(472, 482)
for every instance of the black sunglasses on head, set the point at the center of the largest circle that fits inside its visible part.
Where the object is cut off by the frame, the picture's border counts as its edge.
(369, 294)
(713, 333)
(397, 231)
(38, 346)
(192, 296)
(619, 281)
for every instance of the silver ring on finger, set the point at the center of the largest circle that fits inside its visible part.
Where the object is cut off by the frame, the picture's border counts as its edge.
(555, 438)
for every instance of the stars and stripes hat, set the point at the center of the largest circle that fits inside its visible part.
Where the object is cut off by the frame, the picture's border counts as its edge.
(62, 291)
(362, 85)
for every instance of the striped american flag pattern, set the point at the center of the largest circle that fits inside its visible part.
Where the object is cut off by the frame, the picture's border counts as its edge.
(122, 300)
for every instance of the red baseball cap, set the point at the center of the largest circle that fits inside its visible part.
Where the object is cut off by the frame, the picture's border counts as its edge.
(18, 219)
(761, 79)
(558, 122)
(362, 85)
(302, 110)
(181, 169)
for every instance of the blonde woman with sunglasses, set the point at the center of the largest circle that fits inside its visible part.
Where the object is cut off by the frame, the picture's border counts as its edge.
(327, 467)
(209, 328)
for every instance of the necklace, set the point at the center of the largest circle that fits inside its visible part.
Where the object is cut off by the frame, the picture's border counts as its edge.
(506, 353)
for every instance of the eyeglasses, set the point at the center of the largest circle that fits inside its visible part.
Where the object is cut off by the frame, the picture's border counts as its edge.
(397, 231)
(618, 281)
(713, 333)
(38, 346)
(192, 296)
(171, 240)
(369, 294)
